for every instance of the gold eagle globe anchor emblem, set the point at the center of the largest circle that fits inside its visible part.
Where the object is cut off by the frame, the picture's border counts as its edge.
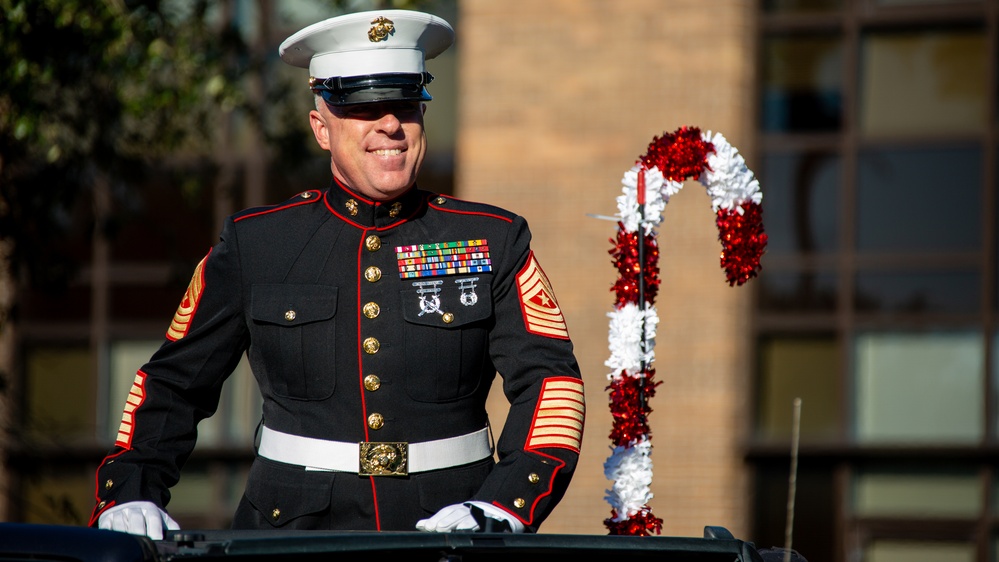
(381, 28)
(384, 459)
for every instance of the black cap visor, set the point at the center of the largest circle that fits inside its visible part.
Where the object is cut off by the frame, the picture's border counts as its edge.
(373, 89)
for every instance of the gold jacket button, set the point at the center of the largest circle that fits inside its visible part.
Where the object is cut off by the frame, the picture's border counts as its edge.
(372, 274)
(101, 505)
(373, 243)
(290, 315)
(276, 514)
(533, 478)
(376, 421)
(519, 503)
(372, 382)
(351, 207)
(371, 310)
(108, 484)
(447, 317)
(371, 346)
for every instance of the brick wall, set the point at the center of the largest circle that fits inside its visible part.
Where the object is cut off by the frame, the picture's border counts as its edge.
(556, 100)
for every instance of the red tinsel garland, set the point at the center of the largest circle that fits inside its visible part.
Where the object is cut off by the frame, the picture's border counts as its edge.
(681, 155)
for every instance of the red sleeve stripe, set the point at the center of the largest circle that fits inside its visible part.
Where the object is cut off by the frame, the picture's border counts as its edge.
(558, 421)
(136, 396)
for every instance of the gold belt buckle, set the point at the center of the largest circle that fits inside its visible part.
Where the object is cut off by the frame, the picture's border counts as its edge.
(384, 458)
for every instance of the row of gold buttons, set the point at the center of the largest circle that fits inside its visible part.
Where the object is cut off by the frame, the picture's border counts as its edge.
(371, 345)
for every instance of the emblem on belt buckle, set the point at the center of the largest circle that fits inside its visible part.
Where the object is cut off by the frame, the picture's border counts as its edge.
(384, 458)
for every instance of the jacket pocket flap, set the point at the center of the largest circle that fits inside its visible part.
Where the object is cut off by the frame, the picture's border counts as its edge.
(292, 305)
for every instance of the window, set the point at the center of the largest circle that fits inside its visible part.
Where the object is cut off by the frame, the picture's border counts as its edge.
(878, 298)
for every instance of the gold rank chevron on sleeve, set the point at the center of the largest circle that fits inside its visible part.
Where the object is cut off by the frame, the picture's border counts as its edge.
(558, 420)
(185, 311)
(542, 315)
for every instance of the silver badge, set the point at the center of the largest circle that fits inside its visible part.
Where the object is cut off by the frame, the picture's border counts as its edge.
(430, 300)
(467, 286)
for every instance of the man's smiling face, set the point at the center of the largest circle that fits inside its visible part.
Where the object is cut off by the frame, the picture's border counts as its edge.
(376, 148)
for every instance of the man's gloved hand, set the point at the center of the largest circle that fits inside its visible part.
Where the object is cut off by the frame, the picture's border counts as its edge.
(458, 517)
(138, 518)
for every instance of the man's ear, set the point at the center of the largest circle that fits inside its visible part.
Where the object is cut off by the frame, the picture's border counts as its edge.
(319, 129)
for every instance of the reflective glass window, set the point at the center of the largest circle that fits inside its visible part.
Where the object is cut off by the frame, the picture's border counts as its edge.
(798, 367)
(944, 291)
(916, 491)
(801, 201)
(918, 551)
(919, 199)
(924, 82)
(801, 6)
(801, 291)
(919, 387)
(802, 83)
(61, 393)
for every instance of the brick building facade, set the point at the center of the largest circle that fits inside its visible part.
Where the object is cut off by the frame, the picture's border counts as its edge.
(555, 101)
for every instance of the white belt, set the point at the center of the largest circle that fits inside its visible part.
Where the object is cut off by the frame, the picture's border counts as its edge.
(373, 458)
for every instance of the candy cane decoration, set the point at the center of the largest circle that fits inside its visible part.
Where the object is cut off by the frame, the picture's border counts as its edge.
(647, 186)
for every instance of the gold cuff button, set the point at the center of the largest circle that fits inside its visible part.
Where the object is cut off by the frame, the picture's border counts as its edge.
(376, 421)
(519, 503)
(351, 207)
(533, 478)
(276, 513)
(447, 317)
(371, 346)
(290, 315)
(373, 243)
(108, 484)
(372, 274)
(101, 505)
(372, 382)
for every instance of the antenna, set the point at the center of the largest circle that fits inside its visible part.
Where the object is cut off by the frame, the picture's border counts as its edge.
(793, 478)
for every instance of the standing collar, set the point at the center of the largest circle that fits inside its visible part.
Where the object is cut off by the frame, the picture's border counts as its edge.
(367, 213)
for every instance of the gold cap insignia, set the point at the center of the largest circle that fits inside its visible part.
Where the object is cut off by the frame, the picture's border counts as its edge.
(381, 28)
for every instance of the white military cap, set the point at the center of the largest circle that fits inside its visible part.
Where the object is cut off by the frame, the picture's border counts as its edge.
(368, 57)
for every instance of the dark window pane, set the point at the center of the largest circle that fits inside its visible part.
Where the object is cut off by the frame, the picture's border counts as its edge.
(919, 200)
(802, 84)
(951, 292)
(61, 393)
(814, 534)
(800, 191)
(801, 6)
(797, 292)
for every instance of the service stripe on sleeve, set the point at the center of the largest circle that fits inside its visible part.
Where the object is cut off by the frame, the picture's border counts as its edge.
(558, 421)
(136, 396)
(542, 315)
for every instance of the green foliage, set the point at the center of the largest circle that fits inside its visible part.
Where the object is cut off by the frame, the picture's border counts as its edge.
(99, 91)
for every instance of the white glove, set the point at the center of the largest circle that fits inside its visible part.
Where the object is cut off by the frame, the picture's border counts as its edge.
(458, 517)
(138, 518)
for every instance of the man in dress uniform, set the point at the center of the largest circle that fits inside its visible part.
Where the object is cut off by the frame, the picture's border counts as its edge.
(375, 317)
